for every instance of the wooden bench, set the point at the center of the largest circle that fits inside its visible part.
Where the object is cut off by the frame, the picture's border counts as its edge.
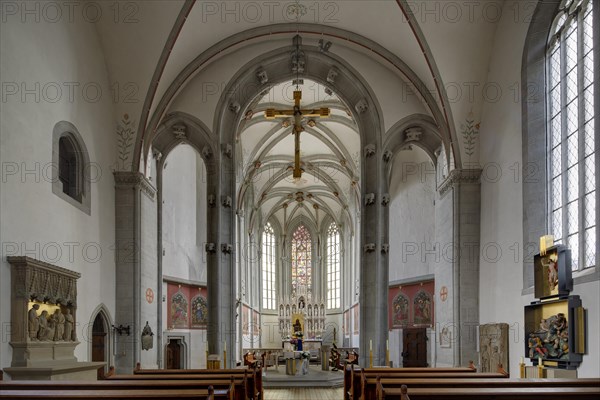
(60, 394)
(250, 360)
(254, 376)
(352, 377)
(369, 390)
(512, 393)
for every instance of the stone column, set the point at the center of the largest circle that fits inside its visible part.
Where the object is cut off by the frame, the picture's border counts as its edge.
(460, 201)
(374, 264)
(129, 208)
(221, 264)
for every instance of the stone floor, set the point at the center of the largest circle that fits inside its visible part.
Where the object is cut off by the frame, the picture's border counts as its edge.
(304, 394)
(316, 378)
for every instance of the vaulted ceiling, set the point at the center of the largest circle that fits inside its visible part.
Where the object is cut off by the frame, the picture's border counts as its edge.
(329, 159)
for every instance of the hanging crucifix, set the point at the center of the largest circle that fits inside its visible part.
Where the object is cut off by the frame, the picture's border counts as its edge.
(297, 112)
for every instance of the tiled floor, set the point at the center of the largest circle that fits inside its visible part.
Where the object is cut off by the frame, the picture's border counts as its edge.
(304, 394)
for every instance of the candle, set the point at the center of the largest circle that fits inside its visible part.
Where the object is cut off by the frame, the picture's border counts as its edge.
(225, 344)
(522, 360)
(387, 344)
(370, 345)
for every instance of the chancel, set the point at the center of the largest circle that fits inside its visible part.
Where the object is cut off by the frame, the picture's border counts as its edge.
(313, 199)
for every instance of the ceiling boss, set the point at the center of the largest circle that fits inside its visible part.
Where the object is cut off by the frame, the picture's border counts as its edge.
(297, 112)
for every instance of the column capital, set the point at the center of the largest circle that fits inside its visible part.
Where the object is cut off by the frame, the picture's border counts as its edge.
(458, 176)
(129, 179)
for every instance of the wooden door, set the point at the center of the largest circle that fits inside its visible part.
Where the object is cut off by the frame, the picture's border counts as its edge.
(174, 355)
(414, 349)
(99, 342)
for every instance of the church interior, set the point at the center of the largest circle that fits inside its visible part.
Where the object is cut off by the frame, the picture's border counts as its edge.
(295, 193)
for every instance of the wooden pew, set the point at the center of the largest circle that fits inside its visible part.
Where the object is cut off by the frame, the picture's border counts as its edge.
(370, 391)
(223, 390)
(352, 378)
(254, 378)
(242, 388)
(361, 389)
(60, 394)
(520, 393)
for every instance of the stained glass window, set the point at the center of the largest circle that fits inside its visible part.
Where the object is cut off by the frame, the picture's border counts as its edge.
(268, 258)
(301, 258)
(570, 132)
(333, 267)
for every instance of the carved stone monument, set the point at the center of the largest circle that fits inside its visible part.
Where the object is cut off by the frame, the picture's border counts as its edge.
(493, 347)
(43, 314)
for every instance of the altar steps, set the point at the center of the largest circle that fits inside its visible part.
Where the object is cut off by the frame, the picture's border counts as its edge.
(316, 378)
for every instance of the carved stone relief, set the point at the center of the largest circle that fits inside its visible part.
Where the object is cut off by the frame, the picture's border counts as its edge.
(493, 347)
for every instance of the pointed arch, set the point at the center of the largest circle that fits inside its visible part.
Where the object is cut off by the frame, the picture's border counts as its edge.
(103, 314)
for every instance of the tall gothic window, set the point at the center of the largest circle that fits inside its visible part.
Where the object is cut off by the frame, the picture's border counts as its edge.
(268, 268)
(571, 141)
(333, 267)
(301, 258)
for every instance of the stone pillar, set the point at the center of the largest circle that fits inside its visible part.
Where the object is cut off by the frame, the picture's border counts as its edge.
(221, 264)
(129, 209)
(374, 264)
(460, 198)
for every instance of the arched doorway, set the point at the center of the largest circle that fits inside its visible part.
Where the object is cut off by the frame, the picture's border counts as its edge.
(174, 357)
(100, 341)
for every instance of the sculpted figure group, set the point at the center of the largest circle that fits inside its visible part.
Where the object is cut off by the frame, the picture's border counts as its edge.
(45, 327)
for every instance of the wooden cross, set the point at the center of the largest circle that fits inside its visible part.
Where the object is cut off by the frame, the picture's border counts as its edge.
(297, 113)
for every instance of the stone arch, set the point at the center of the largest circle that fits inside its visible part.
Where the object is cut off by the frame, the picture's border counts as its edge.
(443, 117)
(396, 138)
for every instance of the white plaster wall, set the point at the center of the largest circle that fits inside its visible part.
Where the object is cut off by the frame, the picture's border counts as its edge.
(149, 278)
(443, 270)
(270, 337)
(34, 221)
(183, 212)
(412, 215)
(501, 274)
(184, 233)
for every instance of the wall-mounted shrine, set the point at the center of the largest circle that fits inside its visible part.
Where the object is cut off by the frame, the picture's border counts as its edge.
(43, 321)
(555, 332)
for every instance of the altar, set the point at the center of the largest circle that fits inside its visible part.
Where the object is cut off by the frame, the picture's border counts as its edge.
(312, 346)
(295, 364)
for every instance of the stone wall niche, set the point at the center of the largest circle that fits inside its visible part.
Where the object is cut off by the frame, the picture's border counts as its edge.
(43, 317)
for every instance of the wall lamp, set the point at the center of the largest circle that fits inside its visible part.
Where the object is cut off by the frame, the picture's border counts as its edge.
(122, 329)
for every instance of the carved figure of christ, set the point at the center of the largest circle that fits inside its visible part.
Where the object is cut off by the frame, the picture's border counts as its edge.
(297, 113)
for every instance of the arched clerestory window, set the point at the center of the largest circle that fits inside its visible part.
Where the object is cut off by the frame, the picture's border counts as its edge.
(570, 131)
(70, 166)
(333, 267)
(301, 258)
(268, 261)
